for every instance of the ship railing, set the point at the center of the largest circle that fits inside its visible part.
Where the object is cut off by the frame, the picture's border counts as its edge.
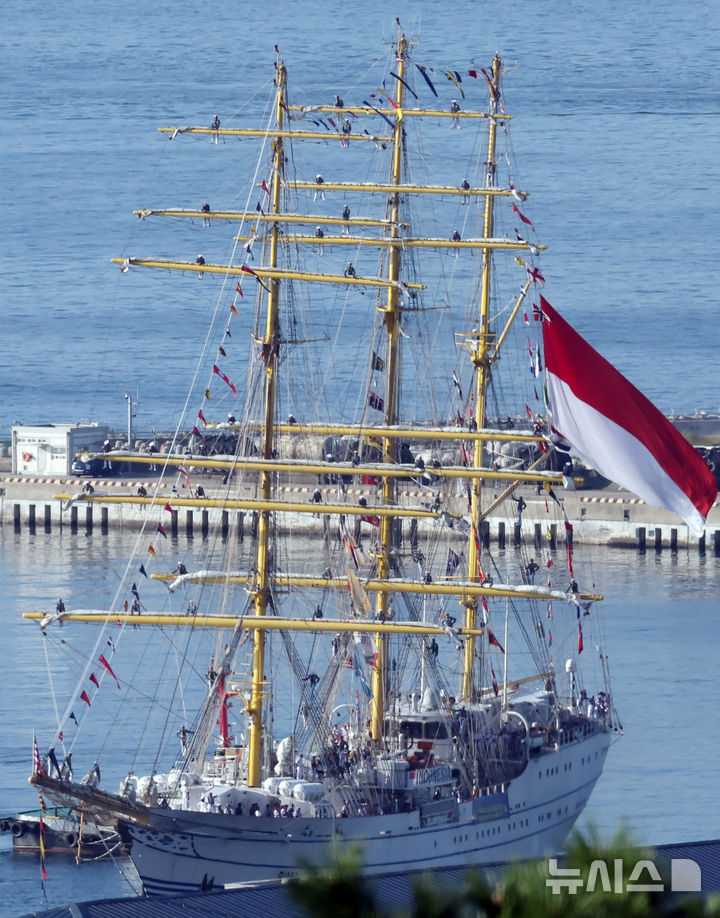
(577, 732)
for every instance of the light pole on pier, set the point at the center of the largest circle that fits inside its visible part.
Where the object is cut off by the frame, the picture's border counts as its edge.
(130, 406)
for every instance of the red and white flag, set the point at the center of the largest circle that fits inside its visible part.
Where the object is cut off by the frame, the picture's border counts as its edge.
(37, 765)
(615, 429)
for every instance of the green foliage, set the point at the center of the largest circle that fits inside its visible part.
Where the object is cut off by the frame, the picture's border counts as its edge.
(338, 889)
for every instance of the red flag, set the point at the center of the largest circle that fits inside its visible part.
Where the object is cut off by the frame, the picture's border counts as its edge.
(85, 698)
(201, 416)
(373, 520)
(169, 509)
(522, 216)
(265, 187)
(580, 640)
(494, 680)
(161, 530)
(618, 431)
(242, 296)
(222, 376)
(151, 549)
(103, 662)
(93, 679)
(493, 640)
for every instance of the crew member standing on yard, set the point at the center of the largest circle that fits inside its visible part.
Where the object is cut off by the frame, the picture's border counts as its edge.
(455, 120)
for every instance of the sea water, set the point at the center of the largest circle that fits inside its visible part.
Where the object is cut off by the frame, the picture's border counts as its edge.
(616, 134)
(661, 631)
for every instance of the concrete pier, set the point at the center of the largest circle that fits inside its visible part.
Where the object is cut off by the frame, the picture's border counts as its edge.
(606, 517)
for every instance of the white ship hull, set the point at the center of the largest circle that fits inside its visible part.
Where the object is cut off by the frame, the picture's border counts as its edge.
(531, 817)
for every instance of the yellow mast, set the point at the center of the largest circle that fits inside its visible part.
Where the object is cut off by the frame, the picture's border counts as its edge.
(269, 350)
(392, 326)
(480, 353)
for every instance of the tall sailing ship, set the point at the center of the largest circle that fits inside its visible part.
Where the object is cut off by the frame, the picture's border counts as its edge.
(381, 674)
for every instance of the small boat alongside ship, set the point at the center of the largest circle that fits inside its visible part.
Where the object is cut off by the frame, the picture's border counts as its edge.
(63, 832)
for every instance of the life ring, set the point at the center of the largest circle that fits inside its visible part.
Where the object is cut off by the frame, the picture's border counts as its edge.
(27, 457)
(71, 839)
(17, 829)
